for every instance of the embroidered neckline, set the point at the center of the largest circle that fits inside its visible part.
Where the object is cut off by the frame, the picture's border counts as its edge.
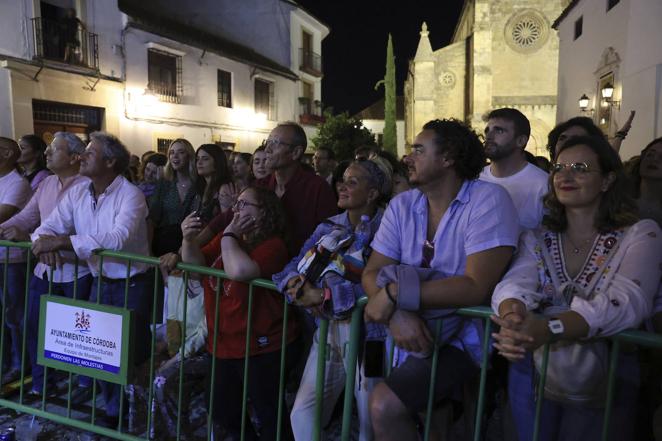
(602, 246)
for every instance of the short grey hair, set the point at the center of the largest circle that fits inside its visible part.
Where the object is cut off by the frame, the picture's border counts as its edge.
(75, 145)
(113, 149)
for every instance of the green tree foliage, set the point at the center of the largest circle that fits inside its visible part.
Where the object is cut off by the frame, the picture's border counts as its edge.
(343, 134)
(390, 131)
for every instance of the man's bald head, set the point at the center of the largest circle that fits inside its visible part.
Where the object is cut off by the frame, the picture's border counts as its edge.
(11, 146)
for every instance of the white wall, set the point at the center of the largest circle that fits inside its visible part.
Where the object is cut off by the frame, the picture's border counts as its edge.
(198, 117)
(99, 16)
(633, 29)
(259, 24)
(15, 27)
(376, 126)
(6, 118)
(300, 21)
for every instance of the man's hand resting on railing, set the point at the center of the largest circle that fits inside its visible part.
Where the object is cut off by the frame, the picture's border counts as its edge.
(52, 259)
(14, 234)
(47, 243)
(380, 307)
(168, 262)
(410, 332)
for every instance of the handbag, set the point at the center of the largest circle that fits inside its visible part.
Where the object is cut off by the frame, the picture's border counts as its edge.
(577, 371)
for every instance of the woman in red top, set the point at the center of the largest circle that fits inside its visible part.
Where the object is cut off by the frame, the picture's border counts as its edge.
(251, 247)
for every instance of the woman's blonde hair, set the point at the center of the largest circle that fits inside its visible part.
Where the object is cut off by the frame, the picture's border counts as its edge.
(169, 173)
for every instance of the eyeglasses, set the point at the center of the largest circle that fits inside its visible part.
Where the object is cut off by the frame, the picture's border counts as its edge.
(575, 167)
(275, 141)
(241, 203)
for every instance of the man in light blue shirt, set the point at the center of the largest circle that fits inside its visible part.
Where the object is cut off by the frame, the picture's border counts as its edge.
(465, 232)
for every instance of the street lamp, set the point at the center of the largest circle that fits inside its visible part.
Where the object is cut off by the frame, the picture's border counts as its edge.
(583, 103)
(607, 91)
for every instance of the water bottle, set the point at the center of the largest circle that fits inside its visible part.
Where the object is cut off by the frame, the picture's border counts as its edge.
(362, 232)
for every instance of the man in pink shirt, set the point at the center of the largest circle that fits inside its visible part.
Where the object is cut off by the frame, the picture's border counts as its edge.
(62, 158)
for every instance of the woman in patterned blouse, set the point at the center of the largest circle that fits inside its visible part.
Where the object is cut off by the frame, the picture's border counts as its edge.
(591, 271)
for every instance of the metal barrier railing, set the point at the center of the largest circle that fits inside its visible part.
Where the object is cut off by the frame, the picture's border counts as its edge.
(484, 313)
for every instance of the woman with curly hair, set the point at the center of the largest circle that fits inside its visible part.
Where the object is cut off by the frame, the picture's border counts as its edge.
(173, 197)
(591, 271)
(251, 247)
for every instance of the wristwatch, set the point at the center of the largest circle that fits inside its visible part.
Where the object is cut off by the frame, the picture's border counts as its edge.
(556, 328)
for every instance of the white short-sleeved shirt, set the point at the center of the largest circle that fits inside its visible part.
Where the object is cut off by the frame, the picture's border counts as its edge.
(15, 191)
(526, 188)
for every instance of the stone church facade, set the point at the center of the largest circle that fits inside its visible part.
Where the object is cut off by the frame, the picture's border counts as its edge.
(503, 54)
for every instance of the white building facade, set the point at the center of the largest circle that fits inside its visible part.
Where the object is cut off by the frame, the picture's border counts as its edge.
(607, 44)
(219, 72)
(373, 119)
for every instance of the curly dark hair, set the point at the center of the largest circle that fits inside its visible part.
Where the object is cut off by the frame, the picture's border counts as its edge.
(617, 208)
(584, 122)
(274, 220)
(461, 144)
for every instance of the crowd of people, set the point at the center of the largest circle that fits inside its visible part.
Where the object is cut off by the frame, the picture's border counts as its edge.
(565, 251)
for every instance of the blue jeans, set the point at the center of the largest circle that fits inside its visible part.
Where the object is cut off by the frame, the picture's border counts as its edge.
(37, 288)
(14, 303)
(139, 300)
(566, 422)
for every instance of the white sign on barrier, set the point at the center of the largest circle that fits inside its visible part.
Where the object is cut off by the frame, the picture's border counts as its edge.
(83, 337)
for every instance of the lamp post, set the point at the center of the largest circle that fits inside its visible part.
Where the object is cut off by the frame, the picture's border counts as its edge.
(583, 103)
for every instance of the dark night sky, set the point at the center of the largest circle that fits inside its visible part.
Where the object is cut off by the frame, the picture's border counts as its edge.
(354, 53)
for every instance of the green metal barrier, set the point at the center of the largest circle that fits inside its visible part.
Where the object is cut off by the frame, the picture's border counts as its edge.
(48, 410)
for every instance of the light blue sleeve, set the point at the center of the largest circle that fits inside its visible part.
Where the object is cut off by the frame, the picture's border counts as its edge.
(388, 236)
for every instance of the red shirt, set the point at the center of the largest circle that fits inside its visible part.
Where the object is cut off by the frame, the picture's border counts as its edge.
(267, 317)
(307, 201)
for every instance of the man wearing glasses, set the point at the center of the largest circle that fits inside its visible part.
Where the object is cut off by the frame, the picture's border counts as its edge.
(464, 231)
(307, 198)
(506, 135)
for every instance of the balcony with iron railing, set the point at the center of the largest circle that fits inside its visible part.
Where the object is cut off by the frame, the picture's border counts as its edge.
(56, 41)
(310, 112)
(166, 92)
(310, 62)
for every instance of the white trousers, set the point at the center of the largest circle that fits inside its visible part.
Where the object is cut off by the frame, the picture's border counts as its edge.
(303, 412)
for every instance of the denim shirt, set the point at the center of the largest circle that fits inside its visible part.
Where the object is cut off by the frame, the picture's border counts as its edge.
(343, 292)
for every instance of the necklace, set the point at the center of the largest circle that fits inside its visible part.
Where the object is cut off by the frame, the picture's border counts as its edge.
(577, 248)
